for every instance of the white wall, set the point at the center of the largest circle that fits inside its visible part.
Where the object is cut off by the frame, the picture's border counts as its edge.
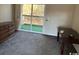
(5, 12)
(75, 25)
(57, 15)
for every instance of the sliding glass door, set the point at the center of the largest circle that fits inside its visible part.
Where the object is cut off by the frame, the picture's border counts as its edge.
(32, 17)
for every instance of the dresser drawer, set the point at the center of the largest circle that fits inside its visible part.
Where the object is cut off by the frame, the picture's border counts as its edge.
(6, 29)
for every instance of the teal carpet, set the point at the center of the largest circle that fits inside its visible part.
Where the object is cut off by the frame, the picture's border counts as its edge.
(36, 28)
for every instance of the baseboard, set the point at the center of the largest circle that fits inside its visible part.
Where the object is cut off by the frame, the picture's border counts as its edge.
(50, 35)
(39, 33)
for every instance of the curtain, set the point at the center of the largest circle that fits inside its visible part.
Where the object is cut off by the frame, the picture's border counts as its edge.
(16, 14)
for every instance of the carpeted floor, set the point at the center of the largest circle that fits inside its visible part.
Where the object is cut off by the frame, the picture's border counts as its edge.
(27, 43)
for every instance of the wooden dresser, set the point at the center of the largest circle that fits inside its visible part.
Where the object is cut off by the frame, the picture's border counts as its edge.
(66, 37)
(6, 29)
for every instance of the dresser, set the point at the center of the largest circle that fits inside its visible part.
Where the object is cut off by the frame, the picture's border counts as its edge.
(66, 38)
(6, 29)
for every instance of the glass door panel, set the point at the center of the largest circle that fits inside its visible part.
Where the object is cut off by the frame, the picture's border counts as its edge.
(37, 18)
(26, 17)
